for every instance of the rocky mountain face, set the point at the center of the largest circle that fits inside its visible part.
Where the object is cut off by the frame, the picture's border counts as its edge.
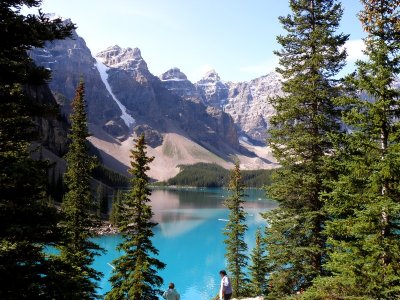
(70, 60)
(183, 122)
(246, 102)
(151, 104)
(176, 82)
(123, 97)
(51, 126)
(213, 91)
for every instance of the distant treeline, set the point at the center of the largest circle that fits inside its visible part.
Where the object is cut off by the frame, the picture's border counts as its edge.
(110, 177)
(213, 175)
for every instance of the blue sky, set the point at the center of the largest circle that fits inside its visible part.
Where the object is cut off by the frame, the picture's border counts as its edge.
(234, 37)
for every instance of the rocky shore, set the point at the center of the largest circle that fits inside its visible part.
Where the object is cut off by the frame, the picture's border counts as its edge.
(105, 228)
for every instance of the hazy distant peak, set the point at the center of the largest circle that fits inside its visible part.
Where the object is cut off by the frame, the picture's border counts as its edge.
(121, 52)
(272, 78)
(123, 58)
(112, 48)
(173, 74)
(135, 52)
(211, 75)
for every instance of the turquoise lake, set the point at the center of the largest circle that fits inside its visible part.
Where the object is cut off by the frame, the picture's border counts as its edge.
(189, 236)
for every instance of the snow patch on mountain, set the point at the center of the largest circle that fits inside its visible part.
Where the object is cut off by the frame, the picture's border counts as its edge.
(102, 68)
(174, 79)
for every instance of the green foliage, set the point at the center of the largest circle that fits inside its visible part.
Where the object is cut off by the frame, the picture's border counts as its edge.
(364, 231)
(258, 268)
(256, 178)
(55, 185)
(102, 199)
(27, 223)
(135, 275)
(235, 230)
(79, 209)
(213, 175)
(110, 177)
(306, 117)
(115, 214)
(201, 175)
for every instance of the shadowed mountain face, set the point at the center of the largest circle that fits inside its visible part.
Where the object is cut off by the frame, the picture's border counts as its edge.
(70, 61)
(51, 126)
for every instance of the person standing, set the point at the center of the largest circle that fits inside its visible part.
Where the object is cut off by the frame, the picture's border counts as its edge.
(225, 292)
(171, 293)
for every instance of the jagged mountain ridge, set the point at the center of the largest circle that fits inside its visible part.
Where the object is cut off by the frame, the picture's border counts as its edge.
(124, 98)
(246, 102)
(150, 103)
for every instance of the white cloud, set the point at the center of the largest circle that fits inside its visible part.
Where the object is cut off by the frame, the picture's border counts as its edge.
(354, 50)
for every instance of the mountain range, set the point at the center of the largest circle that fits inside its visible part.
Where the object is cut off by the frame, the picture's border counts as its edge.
(184, 122)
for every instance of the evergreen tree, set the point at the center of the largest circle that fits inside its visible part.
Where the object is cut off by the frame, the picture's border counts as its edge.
(79, 209)
(60, 188)
(27, 223)
(258, 267)
(115, 215)
(55, 185)
(235, 230)
(135, 274)
(305, 118)
(365, 228)
(102, 199)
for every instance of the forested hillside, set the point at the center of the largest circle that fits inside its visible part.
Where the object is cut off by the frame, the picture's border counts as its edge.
(213, 175)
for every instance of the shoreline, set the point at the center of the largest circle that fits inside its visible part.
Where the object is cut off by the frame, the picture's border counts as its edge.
(105, 228)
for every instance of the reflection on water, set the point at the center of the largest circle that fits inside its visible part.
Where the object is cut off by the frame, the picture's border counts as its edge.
(190, 239)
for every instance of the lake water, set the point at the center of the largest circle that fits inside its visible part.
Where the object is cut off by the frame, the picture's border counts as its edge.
(190, 238)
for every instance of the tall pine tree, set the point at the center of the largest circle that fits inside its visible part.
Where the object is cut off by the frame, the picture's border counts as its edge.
(102, 199)
(365, 228)
(79, 208)
(115, 215)
(135, 274)
(27, 223)
(235, 230)
(309, 60)
(258, 268)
